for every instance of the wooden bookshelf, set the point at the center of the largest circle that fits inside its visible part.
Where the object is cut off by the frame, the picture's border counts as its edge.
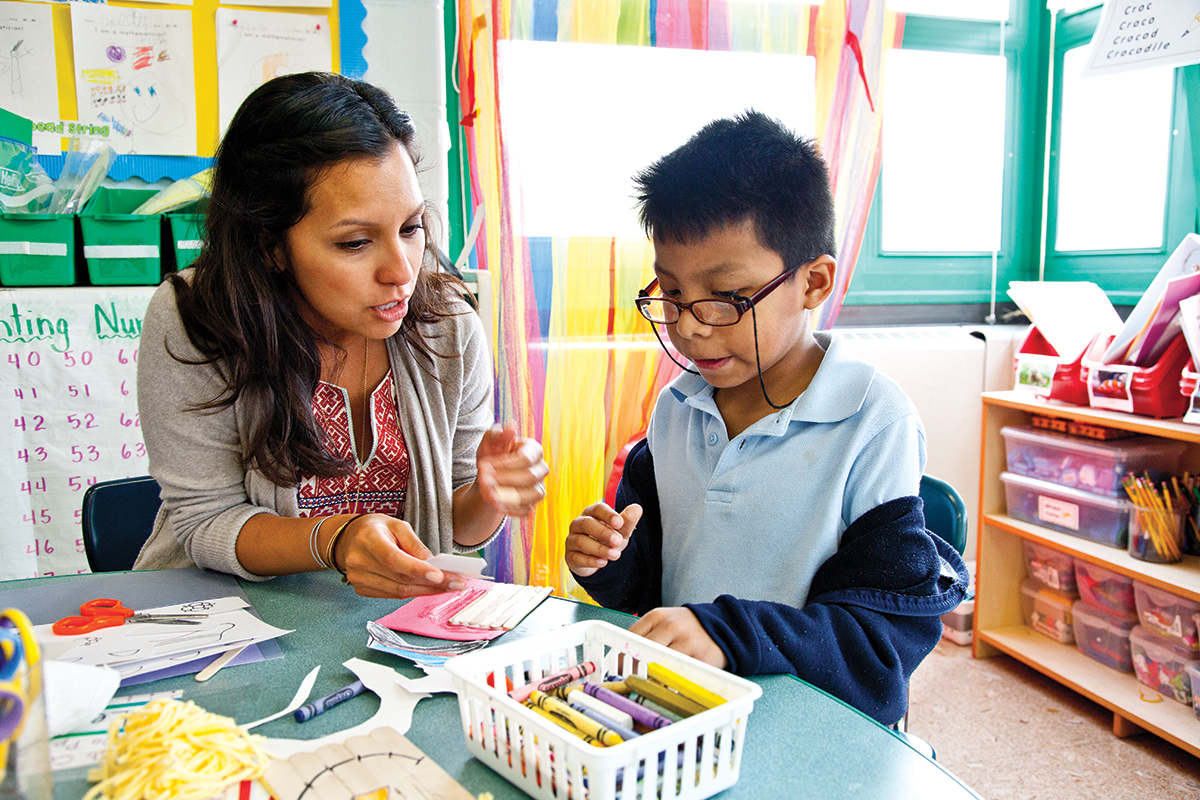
(1000, 568)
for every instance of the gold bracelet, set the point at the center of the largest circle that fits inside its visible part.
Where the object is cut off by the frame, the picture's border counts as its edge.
(333, 543)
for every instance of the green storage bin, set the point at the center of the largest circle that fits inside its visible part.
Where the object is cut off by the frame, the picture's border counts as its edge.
(187, 232)
(37, 249)
(121, 248)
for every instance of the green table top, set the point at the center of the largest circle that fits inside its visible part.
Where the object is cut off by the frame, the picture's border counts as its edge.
(801, 742)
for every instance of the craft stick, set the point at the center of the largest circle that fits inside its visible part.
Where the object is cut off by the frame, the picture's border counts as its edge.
(523, 610)
(685, 687)
(561, 710)
(283, 782)
(502, 610)
(391, 756)
(548, 683)
(672, 701)
(469, 609)
(575, 694)
(322, 783)
(349, 770)
(496, 595)
(639, 713)
(617, 728)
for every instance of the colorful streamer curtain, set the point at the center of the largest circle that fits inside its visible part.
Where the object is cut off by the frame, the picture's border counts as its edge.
(576, 367)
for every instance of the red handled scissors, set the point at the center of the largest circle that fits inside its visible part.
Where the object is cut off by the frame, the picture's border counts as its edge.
(107, 612)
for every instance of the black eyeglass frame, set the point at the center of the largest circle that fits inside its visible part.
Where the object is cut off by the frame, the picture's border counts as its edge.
(739, 303)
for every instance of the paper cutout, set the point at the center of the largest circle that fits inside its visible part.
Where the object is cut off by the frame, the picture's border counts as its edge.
(134, 73)
(467, 566)
(426, 653)
(483, 610)
(298, 699)
(436, 681)
(396, 706)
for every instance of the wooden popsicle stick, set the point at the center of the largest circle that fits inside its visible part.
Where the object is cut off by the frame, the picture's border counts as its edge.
(283, 782)
(522, 611)
(346, 766)
(425, 772)
(482, 606)
(322, 784)
(502, 610)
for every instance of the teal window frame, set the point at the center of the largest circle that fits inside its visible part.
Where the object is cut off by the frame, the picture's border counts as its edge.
(1123, 274)
(904, 279)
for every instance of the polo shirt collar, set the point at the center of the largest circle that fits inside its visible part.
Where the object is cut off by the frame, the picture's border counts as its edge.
(836, 392)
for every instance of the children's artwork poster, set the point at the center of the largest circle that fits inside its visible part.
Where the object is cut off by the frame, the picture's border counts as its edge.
(1134, 34)
(28, 79)
(289, 3)
(134, 73)
(68, 416)
(255, 46)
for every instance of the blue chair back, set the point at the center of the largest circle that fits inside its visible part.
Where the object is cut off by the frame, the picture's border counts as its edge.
(118, 517)
(945, 512)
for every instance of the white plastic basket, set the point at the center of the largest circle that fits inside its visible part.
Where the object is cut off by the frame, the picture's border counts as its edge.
(548, 762)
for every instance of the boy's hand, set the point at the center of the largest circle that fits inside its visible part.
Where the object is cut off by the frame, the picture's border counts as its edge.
(599, 536)
(679, 629)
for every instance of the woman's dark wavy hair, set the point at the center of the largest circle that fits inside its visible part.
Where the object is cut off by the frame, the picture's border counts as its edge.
(238, 309)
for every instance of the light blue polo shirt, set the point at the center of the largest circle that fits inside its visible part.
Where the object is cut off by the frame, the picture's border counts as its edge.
(756, 516)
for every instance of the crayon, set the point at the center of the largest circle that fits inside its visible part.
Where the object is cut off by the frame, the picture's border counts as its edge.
(615, 727)
(639, 713)
(666, 698)
(575, 694)
(561, 723)
(549, 683)
(561, 710)
(690, 690)
(307, 712)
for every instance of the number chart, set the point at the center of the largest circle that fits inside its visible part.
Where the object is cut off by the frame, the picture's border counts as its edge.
(68, 416)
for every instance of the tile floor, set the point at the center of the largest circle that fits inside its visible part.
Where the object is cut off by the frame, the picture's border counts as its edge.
(1012, 734)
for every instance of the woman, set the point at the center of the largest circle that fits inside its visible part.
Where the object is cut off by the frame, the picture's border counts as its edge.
(313, 392)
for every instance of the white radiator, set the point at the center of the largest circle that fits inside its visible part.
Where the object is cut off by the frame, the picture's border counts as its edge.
(943, 369)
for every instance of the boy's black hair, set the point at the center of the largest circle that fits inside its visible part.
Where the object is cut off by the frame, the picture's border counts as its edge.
(749, 167)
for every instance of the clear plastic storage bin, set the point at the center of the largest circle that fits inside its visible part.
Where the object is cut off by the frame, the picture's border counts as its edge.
(1102, 637)
(1086, 464)
(1050, 568)
(1109, 591)
(1047, 611)
(698, 756)
(1167, 615)
(1083, 514)
(1162, 664)
(1193, 673)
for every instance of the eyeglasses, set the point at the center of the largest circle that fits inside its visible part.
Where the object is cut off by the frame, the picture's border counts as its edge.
(713, 312)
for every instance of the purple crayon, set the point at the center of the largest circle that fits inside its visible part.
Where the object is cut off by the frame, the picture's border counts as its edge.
(639, 712)
(549, 683)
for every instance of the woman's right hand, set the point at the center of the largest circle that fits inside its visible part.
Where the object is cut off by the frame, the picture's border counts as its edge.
(382, 557)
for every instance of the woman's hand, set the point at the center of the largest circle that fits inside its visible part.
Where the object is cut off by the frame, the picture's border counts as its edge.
(510, 472)
(599, 536)
(382, 557)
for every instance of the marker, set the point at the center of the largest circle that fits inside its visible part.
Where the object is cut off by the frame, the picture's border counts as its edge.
(564, 712)
(650, 719)
(690, 690)
(307, 712)
(549, 683)
(671, 701)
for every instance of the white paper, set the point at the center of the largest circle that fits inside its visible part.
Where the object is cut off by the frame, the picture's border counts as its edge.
(1067, 313)
(28, 79)
(134, 72)
(255, 46)
(1183, 261)
(1189, 320)
(1135, 35)
(467, 566)
(396, 706)
(76, 693)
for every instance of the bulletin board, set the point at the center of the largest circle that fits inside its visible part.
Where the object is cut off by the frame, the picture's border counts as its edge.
(342, 15)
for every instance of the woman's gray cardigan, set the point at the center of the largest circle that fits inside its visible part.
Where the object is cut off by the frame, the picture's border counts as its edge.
(197, 457)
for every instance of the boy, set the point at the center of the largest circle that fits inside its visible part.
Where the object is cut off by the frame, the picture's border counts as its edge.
(769, 521)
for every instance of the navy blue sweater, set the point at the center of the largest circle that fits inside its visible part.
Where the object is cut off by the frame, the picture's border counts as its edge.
(871, 616)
